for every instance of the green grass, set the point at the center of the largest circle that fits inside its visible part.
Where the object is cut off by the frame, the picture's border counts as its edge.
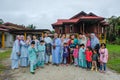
(114, 57)
(4, 55)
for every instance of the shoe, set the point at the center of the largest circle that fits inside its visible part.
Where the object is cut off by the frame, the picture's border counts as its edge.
(32, 72)
(96, 70)
(92, 68)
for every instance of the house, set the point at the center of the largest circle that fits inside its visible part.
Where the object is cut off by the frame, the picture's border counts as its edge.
(8, 32)
(81, 23)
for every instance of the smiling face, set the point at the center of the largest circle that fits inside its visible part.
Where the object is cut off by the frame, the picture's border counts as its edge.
(55, 35)
(46, 35)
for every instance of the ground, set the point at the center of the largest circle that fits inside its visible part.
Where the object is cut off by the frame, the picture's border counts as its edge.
(58, 73)
(62, 72)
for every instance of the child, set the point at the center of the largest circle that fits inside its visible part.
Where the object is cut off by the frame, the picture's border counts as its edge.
(88, 42)
(75, 54)
(88, 54)
(103, 57)
(72, 46)
(32, 57)
(41, 54)
(94, 60)
(82, 60)
(65, 54)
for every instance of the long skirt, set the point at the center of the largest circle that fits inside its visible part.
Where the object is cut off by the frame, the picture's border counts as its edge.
(14, 64)
(24, 61)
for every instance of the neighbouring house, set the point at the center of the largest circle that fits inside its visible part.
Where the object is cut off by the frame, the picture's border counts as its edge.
(8, 32)
(81, 23)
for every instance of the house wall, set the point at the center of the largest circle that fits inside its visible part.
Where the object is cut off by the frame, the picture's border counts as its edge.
(9, 40)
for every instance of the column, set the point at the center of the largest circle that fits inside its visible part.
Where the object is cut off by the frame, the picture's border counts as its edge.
(3, 40)
(25, 35)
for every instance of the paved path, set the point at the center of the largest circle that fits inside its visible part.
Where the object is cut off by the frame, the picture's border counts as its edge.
(62, 73)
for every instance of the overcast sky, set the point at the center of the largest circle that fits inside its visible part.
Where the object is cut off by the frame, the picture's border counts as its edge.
(43, 13)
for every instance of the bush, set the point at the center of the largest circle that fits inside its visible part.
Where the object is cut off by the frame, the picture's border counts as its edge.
(117, 41)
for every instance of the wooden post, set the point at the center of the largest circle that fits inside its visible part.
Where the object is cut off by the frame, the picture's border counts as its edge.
(42, 35)
(25, 35)
(3, 40)
(83, 28)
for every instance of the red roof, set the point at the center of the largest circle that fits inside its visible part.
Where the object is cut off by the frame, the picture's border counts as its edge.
(80, 16)
(1, 29)
(91, 17)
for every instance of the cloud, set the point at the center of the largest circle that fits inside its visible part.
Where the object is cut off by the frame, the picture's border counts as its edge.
(43, 13)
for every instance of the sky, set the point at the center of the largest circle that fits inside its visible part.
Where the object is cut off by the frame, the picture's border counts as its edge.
(42, 13)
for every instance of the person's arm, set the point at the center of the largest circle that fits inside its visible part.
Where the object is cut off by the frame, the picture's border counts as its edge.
(106, 53)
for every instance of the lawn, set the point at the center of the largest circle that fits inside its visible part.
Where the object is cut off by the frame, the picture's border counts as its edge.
(4, 55)
(114, 57)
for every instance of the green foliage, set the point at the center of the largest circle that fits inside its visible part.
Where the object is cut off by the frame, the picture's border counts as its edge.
(31, 26)
(4, 55)
(114, 57)
(113, 30)
(1, 21)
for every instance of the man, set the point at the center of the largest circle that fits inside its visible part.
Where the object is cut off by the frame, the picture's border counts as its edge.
(15, 53)
(56, 50)
(48, 46)
(80, 38)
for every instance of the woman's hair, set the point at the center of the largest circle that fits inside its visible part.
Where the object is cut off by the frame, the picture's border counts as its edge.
(103, 44)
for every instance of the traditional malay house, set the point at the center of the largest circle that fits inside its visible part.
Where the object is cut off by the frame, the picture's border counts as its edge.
(8, 32)
(81, 23)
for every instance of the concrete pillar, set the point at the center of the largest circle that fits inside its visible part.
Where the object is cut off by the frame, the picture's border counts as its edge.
(3, 39)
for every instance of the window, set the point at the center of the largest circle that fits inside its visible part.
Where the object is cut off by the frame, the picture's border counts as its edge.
(71, 28)
(60, 30)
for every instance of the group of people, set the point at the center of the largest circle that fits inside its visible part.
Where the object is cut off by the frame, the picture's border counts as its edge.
(77, 50)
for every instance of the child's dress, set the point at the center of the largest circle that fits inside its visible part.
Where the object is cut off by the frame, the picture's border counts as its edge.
(88, 58)
(103, 58)
(32, 58)
(82, 60)
(41, 56)
(75, 54)
(65, 54)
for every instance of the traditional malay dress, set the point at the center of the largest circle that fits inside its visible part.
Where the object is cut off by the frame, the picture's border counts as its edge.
(15, 54)
(41, 55)
(84, 40)
(61, 51)
(48, 42)
(56, 51)
(37, 43)
(24, 53)
(94, 41)
(82, 60)
(32, 58)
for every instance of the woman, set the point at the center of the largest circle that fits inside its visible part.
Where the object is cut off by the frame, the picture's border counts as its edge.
(84, 40)
(62, 43)
(24, 52)
(15, 53)
(56, 50)
(94, 41)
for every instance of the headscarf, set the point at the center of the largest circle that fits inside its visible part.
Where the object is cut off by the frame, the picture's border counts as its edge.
(84, 41)
(94, 41)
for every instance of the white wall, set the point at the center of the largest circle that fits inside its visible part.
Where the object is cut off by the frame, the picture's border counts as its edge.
(9, 40)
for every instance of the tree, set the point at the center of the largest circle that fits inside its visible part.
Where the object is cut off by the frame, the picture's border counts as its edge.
(31, 26)
(1, 21)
